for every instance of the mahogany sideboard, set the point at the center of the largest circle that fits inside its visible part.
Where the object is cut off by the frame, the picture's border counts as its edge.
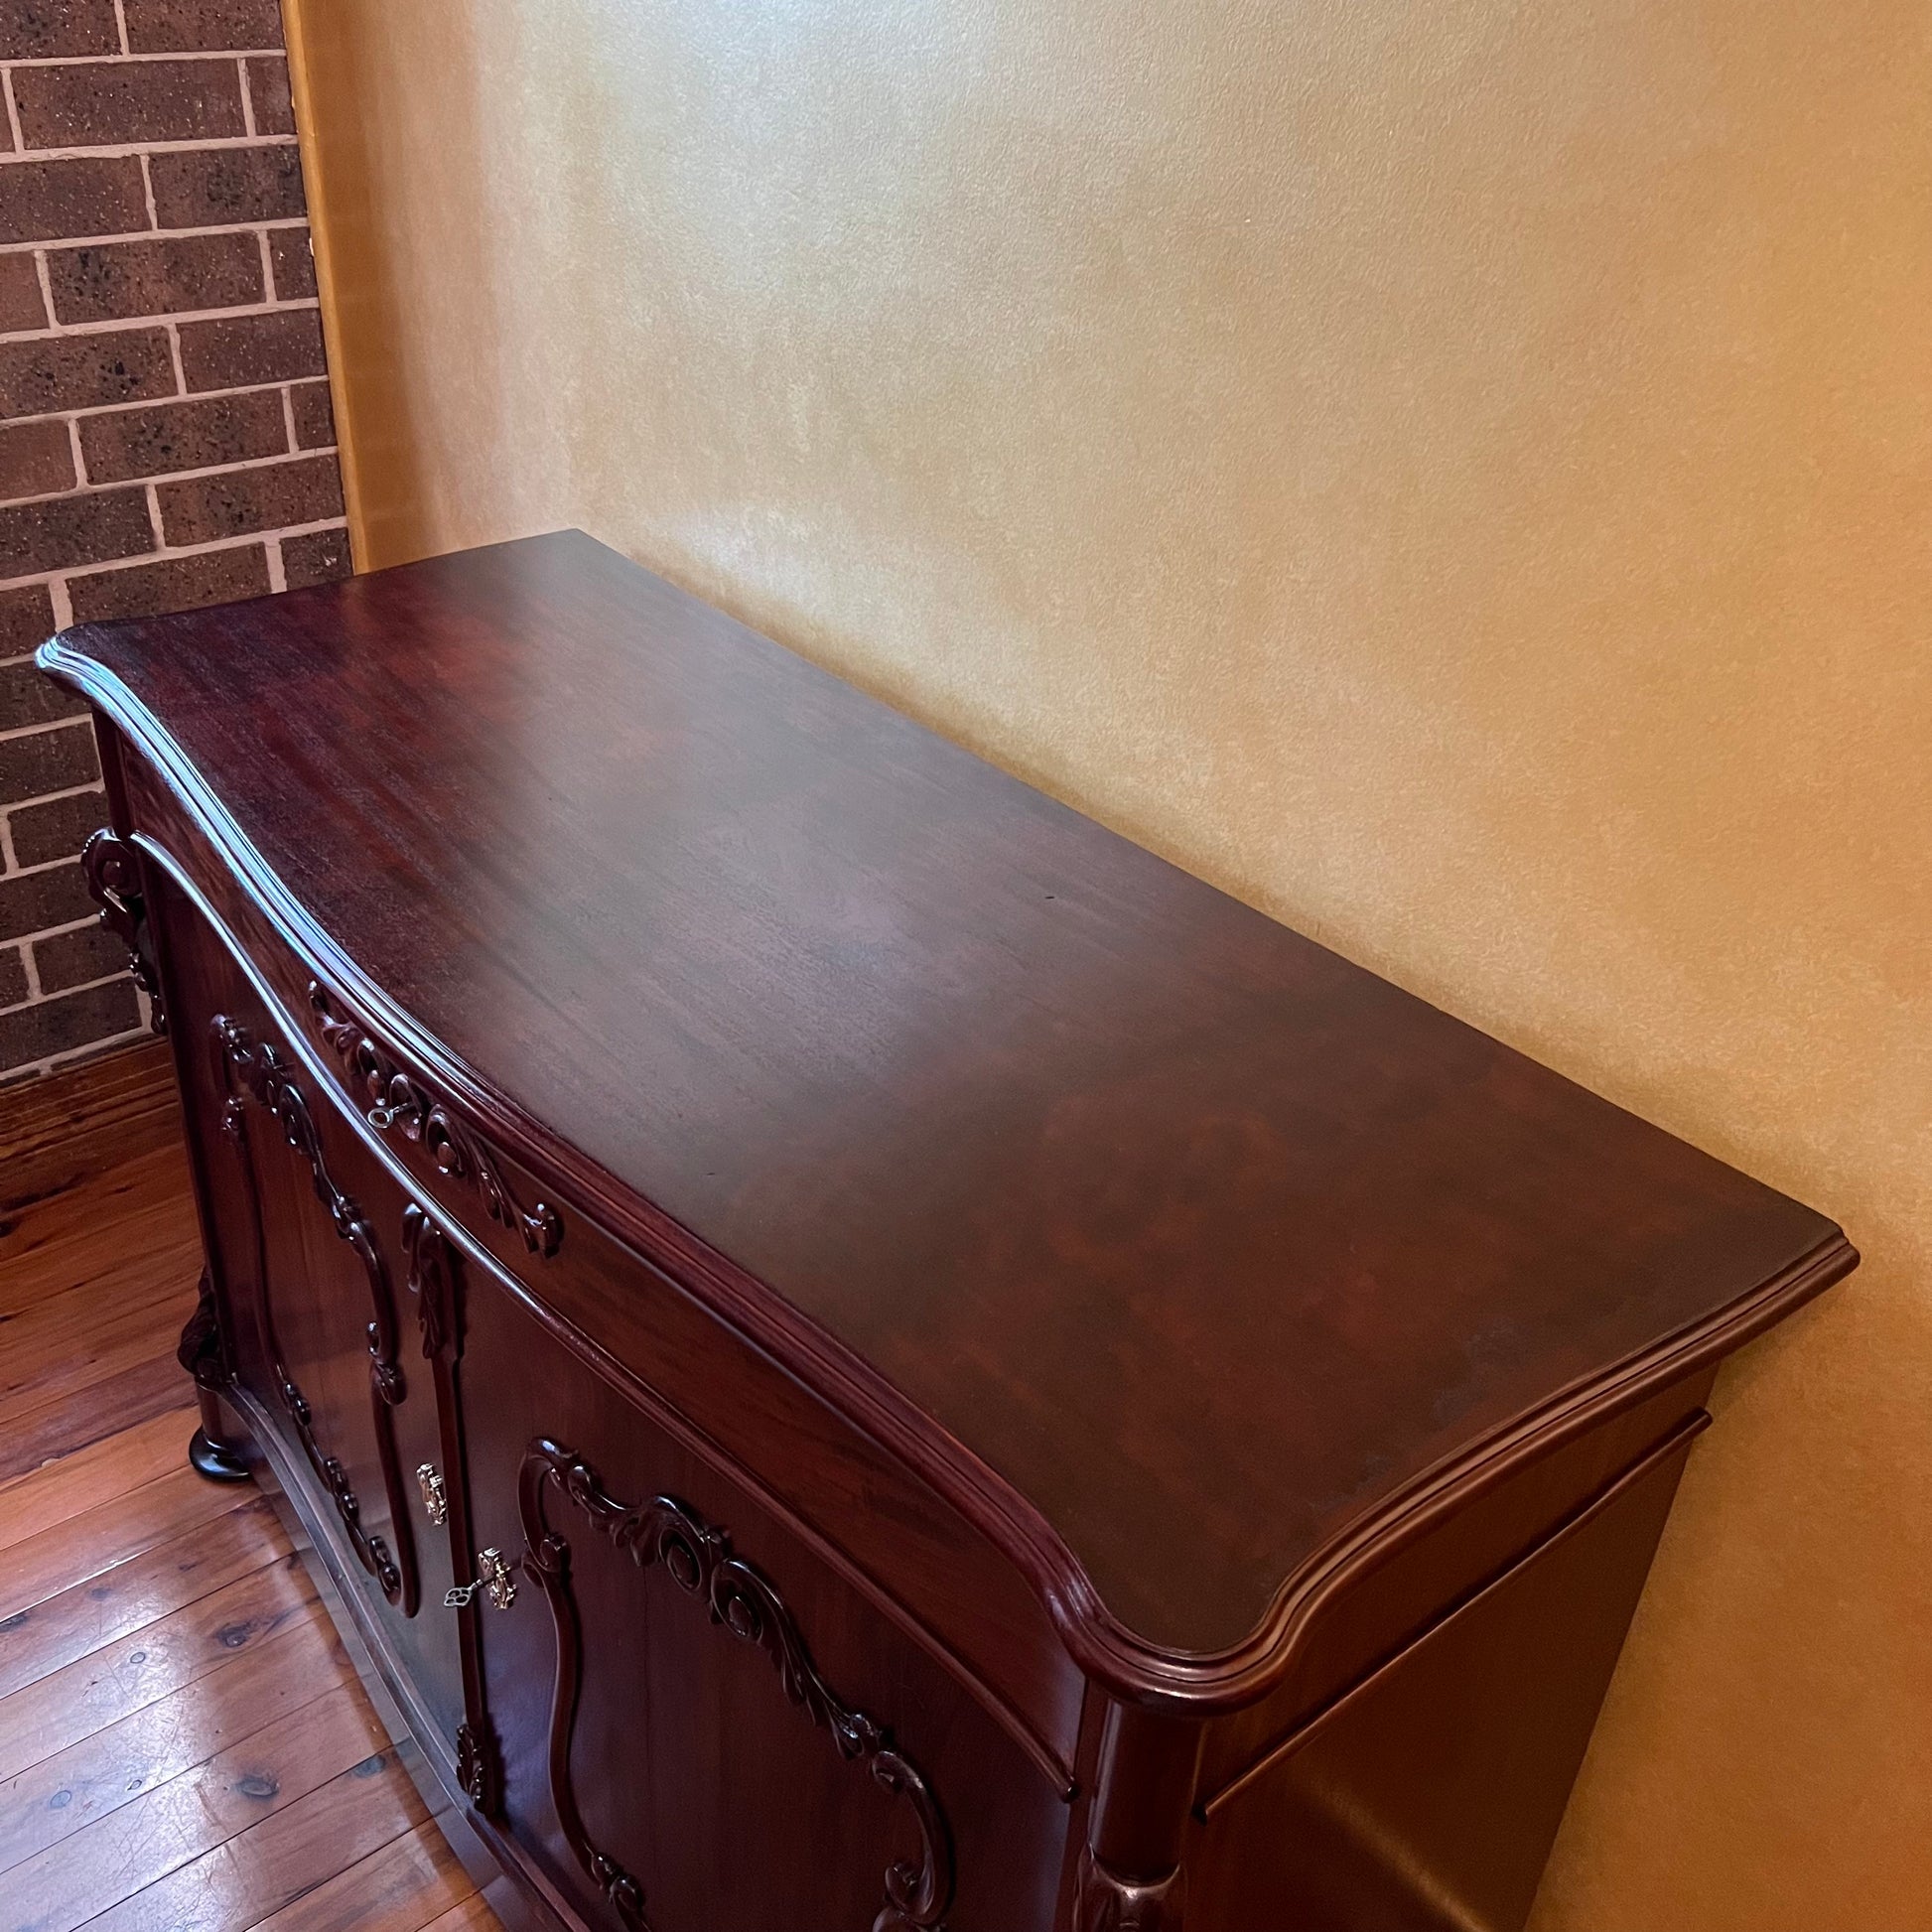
(854, 1349)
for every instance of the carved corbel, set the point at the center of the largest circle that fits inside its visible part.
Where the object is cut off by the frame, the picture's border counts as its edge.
(114, 883)
(201, 1353)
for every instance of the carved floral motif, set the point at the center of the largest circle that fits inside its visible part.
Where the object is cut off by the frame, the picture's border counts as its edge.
(393, 1098)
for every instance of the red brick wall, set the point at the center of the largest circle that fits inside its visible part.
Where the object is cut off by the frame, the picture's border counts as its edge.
(165, 433)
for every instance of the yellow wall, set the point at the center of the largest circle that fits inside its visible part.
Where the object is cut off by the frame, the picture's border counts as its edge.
(1454, 475)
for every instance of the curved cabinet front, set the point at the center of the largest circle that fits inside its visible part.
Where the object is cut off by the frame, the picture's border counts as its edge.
(307, 1241)
(703, 1728)
(667, 1704)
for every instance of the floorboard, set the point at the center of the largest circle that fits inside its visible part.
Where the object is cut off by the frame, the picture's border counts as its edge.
(183, 1744)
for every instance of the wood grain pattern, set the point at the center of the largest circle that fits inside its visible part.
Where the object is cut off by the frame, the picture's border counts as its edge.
(156, 1584)
(139, 1392)
(111, 1767)
(145, 1666)
(412, 1882)
(91, 1475)
(182, 1818)
(95, 1541)
(167, 1681)
(74, 1124)
(258, 1871)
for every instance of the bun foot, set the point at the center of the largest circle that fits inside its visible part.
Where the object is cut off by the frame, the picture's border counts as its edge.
(211, 1460)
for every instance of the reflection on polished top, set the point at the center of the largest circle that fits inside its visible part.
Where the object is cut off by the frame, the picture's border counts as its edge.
(1205, 1241)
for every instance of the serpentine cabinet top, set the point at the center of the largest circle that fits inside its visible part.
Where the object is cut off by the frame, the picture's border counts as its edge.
(1214, 1249)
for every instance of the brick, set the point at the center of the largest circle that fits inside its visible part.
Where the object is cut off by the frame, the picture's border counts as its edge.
(68, 1024)
(57, 829)
(203, 509)
(36, 459)
(183, 436)
(13, 976)
(268, 92)
(211, 188)
(75, 958)
(294, 263)
(84, 372)
(98, 105)
(175, 584)
(43, 30)
(31, 901)
(28, 697)
(320, 557)
(189, 26)
(62, 532)
(22, 304)
(48, 761)
(233, 352)
(46, 200)
(26, 619)
(110, 280)
(315, 418)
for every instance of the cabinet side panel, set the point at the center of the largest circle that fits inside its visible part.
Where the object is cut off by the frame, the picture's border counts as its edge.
(1429, 1800)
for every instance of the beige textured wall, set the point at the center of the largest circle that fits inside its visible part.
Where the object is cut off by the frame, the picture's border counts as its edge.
(1454, 475)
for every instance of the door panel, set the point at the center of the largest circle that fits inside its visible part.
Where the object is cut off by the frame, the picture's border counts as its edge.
(307, 1235)
(703, 1728)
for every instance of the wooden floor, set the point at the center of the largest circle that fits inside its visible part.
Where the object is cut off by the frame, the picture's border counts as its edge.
(183, 1746)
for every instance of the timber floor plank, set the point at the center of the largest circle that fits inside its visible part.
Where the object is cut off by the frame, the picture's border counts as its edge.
(184, 1744)
(60, 1795)
(88, 1545)
(93, 1473)
(412, 1882)
(105, 1236)
(70, 1343)
(177, 1821)
(142, 1668)
(280, 1860)
(472, 1915)
(84, 1617)
(130, 1396)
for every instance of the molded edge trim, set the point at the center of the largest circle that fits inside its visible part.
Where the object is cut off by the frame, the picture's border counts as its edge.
(1200, 1682)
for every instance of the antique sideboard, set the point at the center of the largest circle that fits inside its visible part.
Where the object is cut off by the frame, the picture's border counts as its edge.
(851, 1348)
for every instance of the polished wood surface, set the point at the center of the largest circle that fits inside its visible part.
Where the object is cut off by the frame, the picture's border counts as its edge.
(908, 1043)
(183, 1743)
(847, 1348)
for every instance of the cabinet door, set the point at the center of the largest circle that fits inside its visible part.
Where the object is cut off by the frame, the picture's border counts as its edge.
(703, 1727)
(309, 1231)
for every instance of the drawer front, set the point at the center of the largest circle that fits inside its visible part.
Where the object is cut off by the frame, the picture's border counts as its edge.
(308, 1237)
(700, 1726)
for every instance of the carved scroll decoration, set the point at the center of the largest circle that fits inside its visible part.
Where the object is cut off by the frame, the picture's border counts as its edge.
(255, 1072)
(394, 1099)
(436, 1287)
(201, 1351)
(115, 883)
(432, 1281)
(699, 1558)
